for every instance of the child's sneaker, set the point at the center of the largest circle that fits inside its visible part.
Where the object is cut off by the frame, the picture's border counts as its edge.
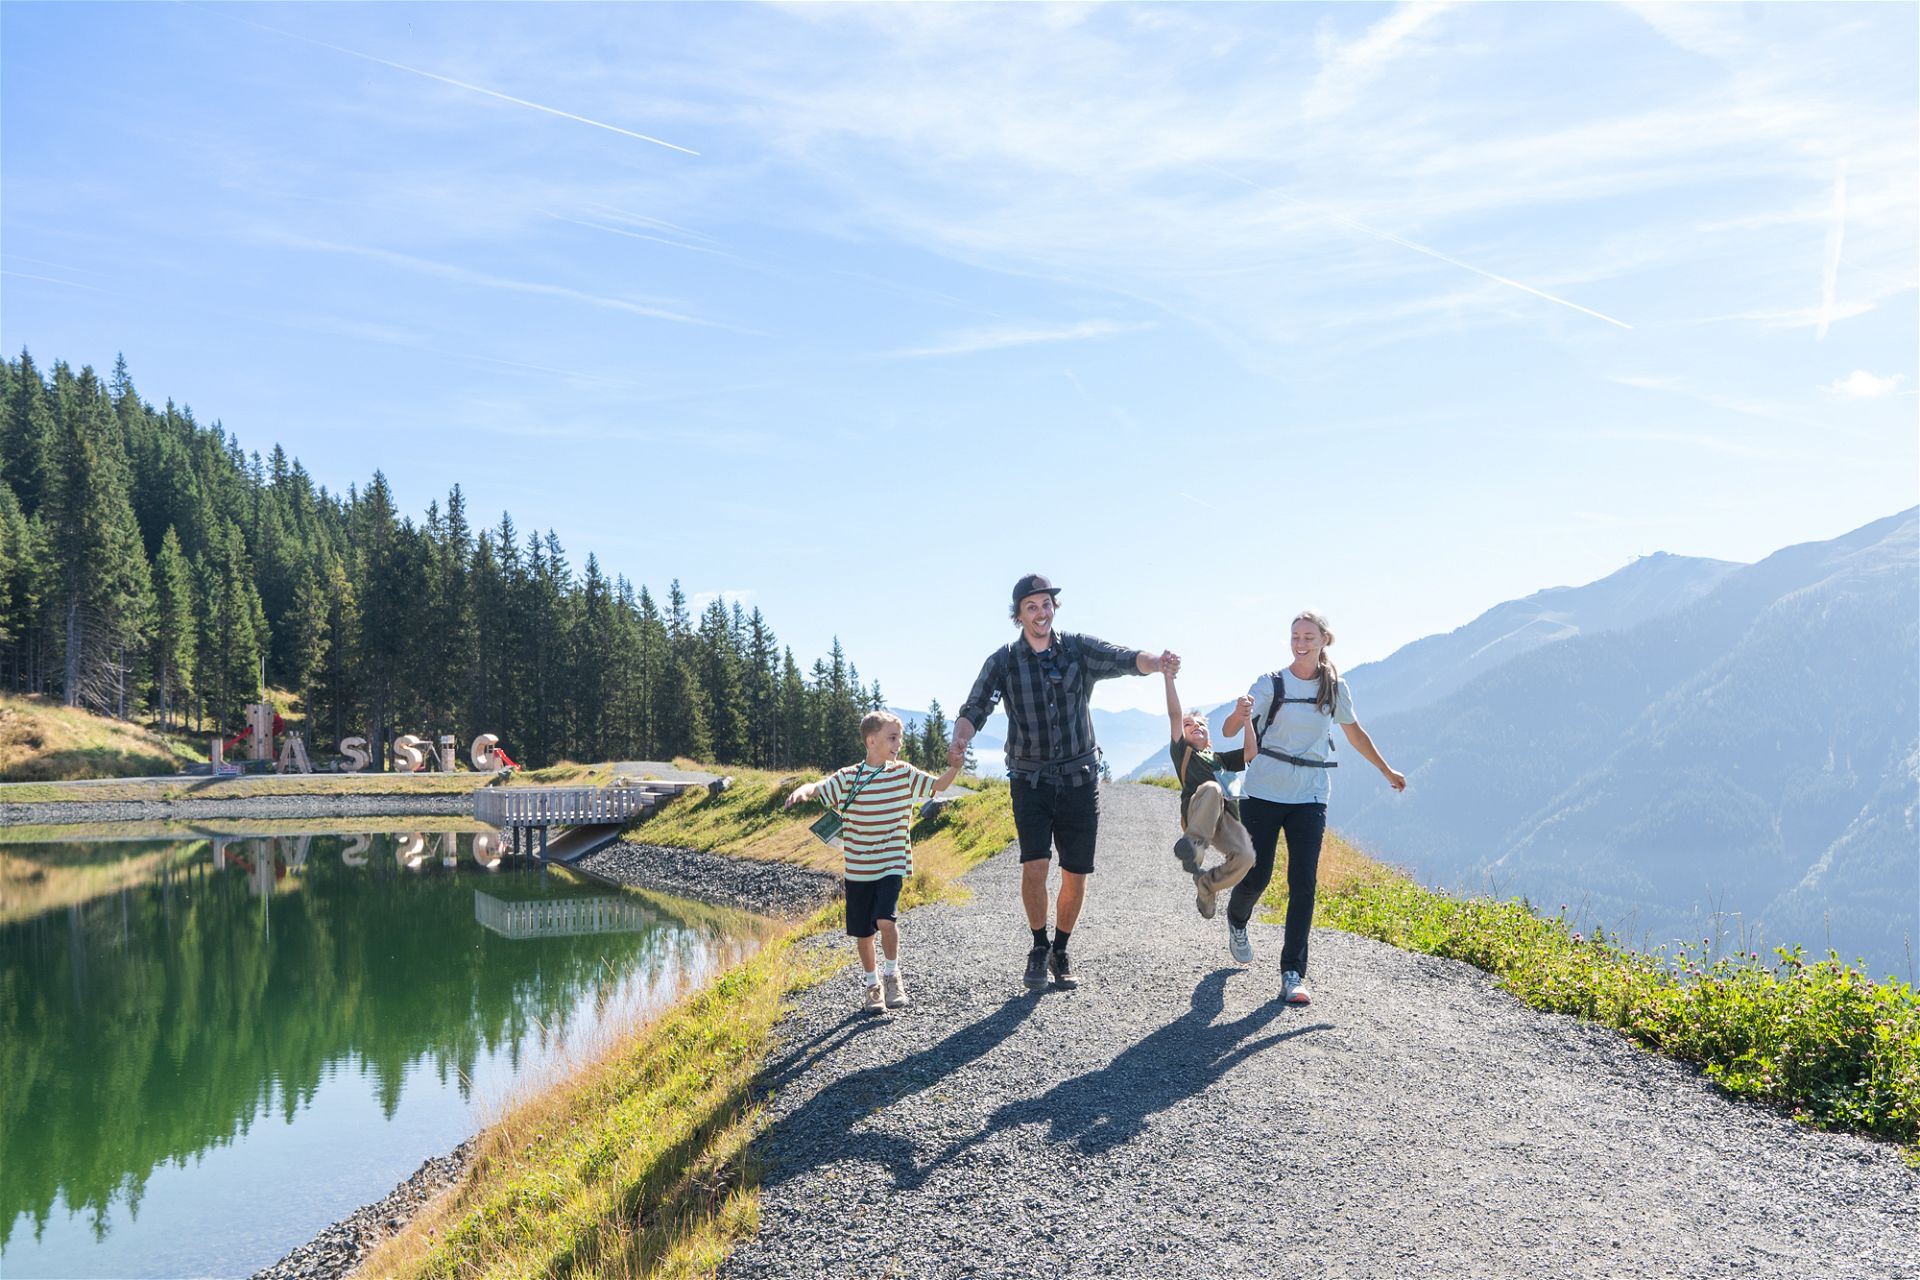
(874, 1002)
(896, 991)
(1204, 897)
(1188, 851)
(1293, 989)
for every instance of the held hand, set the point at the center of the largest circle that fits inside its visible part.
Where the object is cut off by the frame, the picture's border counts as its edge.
(956, 754)
(1243, 706)
(1398, 781)
(1170, 662)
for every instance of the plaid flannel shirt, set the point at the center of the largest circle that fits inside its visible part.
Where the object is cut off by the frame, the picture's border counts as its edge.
(1047, 696)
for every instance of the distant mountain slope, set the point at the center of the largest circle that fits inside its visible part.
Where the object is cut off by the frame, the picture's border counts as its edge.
(1431, 668)
(1750, 754)
(1123, 736)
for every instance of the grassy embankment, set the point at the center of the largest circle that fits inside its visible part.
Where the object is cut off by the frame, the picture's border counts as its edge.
(1816, 1038)
(43, 741)
(638, 1164)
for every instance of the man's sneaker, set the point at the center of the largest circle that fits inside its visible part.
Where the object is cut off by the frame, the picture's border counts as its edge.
(1204, 896)
(1293, 989)
(1062, 971)
(1037, 967)
(896, 991)
(874, 1002)
(1239, 944)
(1188, 851)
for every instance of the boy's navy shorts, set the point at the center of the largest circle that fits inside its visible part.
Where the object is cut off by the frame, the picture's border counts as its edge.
(869, 902)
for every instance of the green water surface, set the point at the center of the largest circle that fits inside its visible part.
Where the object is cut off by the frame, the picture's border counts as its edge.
(212, 1048)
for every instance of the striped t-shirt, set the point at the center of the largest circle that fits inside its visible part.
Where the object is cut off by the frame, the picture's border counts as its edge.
(876, 838)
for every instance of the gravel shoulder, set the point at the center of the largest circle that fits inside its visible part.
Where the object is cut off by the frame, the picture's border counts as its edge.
(766, 888)
(1173, 1118)
(339, 1248)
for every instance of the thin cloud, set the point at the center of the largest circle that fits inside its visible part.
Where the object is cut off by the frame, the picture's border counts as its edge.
(976, 340)
(1356, 225)
(1861, 385)
(1347, 69)
(458, 84)
(71, 284)
(465, 275)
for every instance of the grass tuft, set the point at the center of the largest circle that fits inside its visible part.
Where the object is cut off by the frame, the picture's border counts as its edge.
(1816, 1038)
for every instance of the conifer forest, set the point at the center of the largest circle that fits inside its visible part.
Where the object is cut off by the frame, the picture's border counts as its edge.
(153, 569)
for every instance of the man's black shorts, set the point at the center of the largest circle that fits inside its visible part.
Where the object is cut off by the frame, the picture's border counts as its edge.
(869, 902)
(1046, 814)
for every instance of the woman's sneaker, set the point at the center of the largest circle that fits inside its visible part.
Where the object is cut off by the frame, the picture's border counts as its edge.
(1293, 989)
(874, 1002)
(1239, 945)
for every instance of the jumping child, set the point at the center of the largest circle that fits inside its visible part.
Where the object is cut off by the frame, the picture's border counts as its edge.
(877, 800)
(1208, 815)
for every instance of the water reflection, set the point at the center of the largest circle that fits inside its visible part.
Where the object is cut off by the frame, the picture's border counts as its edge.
(165, 1007)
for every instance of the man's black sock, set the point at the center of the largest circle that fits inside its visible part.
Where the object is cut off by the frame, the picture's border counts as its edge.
(1040, 936)
(1060, 937)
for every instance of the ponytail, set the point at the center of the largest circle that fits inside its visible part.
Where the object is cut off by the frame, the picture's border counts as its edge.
(1329, 675)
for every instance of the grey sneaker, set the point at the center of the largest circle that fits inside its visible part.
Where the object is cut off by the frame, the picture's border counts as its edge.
(1204, 896)
(1062, 971)
(1188, 851)
(1239, 944)
(873, 1003)
(1293, 989)
(1037, 967)
(896, 991)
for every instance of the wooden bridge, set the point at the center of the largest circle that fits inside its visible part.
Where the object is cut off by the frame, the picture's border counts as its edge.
(594, 815)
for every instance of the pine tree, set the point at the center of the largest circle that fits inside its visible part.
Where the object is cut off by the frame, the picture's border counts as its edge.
(173, 629)
(104, 590)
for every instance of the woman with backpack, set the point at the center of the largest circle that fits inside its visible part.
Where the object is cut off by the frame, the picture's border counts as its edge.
(1286, 786)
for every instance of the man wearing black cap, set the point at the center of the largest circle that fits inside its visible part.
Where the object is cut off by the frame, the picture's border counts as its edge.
(1053, 764)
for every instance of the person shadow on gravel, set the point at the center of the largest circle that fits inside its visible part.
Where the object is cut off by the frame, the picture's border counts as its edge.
(827, 1128)
(1107, 1108)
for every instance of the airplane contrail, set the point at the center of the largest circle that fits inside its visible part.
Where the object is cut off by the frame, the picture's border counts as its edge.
(1357, 225)
(458, 84)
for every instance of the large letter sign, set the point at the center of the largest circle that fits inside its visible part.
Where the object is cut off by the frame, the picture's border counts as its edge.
(355, 751)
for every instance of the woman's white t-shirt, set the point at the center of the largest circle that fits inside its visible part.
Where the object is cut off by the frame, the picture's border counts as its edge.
(1303, 730)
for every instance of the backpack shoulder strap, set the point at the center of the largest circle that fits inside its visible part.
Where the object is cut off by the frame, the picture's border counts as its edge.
(1180, 774)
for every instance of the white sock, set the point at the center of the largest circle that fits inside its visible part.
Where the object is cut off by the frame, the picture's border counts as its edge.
(873, 979)
(889, 968)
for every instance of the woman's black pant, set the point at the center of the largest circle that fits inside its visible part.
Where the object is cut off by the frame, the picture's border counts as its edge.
(1306, 827)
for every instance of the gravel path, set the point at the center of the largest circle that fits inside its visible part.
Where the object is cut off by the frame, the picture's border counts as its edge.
(768, 888)
(1172, 1118)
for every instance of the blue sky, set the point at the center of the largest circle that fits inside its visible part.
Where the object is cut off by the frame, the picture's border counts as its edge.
(1211, 313)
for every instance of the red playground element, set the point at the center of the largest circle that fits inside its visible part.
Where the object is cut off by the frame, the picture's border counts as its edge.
(279, 726)
(505, 759)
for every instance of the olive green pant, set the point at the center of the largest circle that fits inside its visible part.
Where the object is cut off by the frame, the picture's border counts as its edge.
(1210, 822)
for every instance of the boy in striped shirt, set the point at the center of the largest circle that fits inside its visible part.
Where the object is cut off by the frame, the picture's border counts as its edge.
(877, 799)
